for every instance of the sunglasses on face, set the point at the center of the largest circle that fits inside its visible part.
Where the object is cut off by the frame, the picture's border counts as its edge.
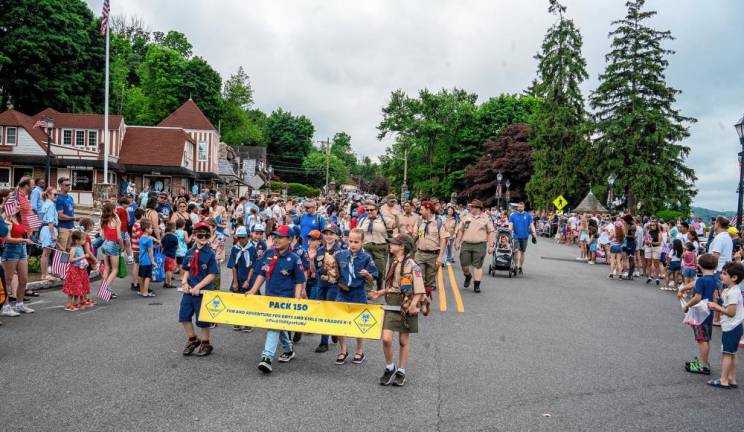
(202, 236)
(371, 209)
(66, 184)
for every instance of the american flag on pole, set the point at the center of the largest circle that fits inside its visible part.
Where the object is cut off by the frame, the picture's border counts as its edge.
(104, 292)
(105, 19)
(40, 124)
(11, 205)
(60, 263)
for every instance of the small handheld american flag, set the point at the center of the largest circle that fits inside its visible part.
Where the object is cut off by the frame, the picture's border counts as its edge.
(11, 205)
(31, 221)
(60, 263)
(104, 291)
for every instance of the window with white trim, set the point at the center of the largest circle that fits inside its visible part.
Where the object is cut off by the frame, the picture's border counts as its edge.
(1, 135)
(202, 151)
(67, 137)
(4, 175)
(11, 136)
(79, 138)
(93, 139)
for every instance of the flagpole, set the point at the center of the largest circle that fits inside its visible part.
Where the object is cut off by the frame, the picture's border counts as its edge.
(106, 134)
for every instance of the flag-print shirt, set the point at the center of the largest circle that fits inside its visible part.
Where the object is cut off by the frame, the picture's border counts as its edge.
(136, 234)
(282, 272)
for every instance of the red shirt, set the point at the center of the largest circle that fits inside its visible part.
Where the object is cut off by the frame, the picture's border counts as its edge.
(136, 234)
(123, 217)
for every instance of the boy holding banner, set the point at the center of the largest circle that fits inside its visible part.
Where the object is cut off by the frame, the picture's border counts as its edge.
(403, 290)
(356, 268)
(284, 275)
(200, 268)
(242, 263)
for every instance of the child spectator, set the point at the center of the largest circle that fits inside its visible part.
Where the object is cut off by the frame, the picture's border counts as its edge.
(674, 267)
(76, 281)
(170, 248)
(200, 268)
(732, 315)
(356, 268)
(146, 258)
(704, 290)
(136, 234)
(689, 265)
(183, 241)
(86, 224)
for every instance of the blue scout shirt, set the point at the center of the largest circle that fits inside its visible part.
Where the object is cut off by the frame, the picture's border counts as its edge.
(706, 287)
(242, 259)
(207, 265)
(302, 253)
(521, 224)
(285, 272)
(319, 270)
(66, 204)
(350, 265)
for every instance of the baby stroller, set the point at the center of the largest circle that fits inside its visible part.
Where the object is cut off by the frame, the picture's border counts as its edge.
(503, 255)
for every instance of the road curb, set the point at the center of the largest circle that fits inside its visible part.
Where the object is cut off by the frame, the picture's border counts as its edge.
(45, 284)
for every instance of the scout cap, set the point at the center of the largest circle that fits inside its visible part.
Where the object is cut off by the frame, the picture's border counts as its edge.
(282, 231)
(390, 197)
(476, 203)
(402, 239)
(202, 226)
(315, 234)
(241, 232)
(259, 227)
(331, 228)
(429, 205)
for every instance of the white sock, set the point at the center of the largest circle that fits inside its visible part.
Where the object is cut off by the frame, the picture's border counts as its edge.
(19, 304)
(390, 367)
(402, 370)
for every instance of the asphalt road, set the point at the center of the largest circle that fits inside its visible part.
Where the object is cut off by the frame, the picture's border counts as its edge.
(561, 348)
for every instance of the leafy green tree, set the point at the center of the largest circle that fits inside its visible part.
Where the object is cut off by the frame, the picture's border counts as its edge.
(315, 165)
(638, 128)
(562, 154)
(162, 82)
(237, 90)
(178, 42)
(289, 139)
(341, 148)
(240, 126)
(51, 55)
(499, 112)
(203, 84)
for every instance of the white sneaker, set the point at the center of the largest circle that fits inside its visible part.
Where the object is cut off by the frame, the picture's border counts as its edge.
(636, 274)
(130, 260)
(9, 312)
(22, 308)
(590, 262)
(625, 275)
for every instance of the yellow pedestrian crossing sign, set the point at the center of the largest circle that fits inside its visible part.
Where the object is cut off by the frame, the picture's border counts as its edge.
(560, 202)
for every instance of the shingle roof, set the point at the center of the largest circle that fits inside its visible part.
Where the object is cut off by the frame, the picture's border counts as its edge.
(590, 203)
(153, 146)
(225, 168)
(188, 116)
(16, 118)
(79, 121)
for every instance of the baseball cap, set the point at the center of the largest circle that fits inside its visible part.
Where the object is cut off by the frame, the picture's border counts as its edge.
(476, 203)
(202, 225)
(314, 235)
(259, 227)
(733, 230)
(390, 197)
(402, 239)
(282, 231)
(429, 205)
(331, 228)
(241, 232)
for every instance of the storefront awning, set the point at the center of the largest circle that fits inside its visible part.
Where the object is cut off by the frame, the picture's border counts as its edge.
(57, 162)
(159, 170)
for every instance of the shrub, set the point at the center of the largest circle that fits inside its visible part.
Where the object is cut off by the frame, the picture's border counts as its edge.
(296, 189)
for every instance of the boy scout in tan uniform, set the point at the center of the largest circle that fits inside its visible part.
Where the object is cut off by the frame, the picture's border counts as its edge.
(475, 236)
(408, 220)
(431, 243)
(390, 213)
(403, 291)
(375, 240)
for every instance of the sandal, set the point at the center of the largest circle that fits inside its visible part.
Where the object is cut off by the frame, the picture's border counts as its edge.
(341, 358)
(191, 345)
(358, 358)
(717, 383)
(31, 293)
(149, 294)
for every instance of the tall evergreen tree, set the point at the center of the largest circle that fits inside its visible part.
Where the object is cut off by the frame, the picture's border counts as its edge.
(639, 130)
(562, 155)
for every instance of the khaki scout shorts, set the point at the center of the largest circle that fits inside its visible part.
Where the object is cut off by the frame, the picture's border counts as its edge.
(472, 254)
(428, 263)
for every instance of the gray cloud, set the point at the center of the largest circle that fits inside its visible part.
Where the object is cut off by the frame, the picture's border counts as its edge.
(337, 61)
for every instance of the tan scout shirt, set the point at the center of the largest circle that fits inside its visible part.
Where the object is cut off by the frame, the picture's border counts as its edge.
(410, 270)
(475, 229)
(407, 223)
(379, 231)
(390, 215)
(429, 239)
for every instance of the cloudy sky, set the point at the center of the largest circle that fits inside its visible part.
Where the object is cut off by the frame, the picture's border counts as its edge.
(337, 61)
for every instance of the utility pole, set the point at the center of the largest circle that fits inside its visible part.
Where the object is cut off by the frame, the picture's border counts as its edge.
(328, 157)
(404, 189)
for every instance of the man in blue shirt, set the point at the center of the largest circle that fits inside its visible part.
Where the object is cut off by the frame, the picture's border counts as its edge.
(310, 220)
(520, 222)
(65, 213)
(284, 275)
(36, 200)
(200, 268)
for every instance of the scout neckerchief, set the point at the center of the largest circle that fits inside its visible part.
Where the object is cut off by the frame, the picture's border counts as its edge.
(351, 267)
(194, 265)
(243, 251)
(272, 265)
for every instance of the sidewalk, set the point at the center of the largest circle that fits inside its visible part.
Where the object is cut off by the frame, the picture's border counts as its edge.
(35, 282)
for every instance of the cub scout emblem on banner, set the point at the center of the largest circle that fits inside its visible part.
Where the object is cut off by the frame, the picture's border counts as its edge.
(281, 313)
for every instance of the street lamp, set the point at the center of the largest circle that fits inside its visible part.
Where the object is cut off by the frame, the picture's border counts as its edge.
(740, 131)
(48, 126)
(508, 194)
(271, 173)
(499, 177)
(611, 180)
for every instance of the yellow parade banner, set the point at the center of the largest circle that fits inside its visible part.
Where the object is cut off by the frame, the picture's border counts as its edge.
(281, 313)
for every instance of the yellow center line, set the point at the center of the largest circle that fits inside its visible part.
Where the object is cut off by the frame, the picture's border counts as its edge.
(442, 291)
(455, 290)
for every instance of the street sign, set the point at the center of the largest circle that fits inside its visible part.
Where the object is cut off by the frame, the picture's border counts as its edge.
(560, 202)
